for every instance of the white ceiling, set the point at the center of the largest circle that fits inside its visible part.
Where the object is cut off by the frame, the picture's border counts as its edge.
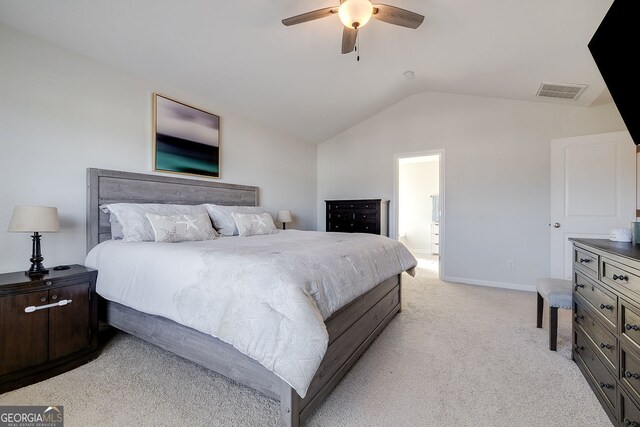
(238, 54)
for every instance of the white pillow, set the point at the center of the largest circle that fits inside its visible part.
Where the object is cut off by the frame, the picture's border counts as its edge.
(182, 227)
(254, 224)
(136, 226)
(222, 219)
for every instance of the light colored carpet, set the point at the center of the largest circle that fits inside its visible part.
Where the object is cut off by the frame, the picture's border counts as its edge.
(457, 355)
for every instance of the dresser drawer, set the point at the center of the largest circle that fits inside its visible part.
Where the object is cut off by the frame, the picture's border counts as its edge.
(586, 262)
(618, 275)
(366, 216)
(629, 412)
(604, 381)
(630, 372)
(340, 225)
(602, 340)
(340, 215)
(603, 301)
(630, 324)
(365, 228)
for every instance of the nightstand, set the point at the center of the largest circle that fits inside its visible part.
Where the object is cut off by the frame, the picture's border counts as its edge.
(38, 342)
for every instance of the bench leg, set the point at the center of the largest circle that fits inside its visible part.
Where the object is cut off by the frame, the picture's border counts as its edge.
(540, 309)
(553, 328)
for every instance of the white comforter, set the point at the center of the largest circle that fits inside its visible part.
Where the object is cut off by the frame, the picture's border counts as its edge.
(265, 295)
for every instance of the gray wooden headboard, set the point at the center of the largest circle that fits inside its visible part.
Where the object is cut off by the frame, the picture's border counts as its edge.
(108, 186)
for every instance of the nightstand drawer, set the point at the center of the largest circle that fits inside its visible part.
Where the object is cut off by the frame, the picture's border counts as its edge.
(24, 343)
(603, 301)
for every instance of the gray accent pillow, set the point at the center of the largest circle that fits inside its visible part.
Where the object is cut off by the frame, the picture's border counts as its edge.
(182, 227)
(254, 224)
(222, 219)
(136, 226)
(116, 228)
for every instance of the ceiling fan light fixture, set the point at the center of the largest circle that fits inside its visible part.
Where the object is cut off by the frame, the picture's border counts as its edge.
(355, 13)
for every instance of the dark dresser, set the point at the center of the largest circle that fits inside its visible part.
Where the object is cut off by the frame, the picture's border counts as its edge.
(606, 325)
(358, 216)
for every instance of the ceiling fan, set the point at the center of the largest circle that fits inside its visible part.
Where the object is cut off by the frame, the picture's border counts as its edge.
(354, 14)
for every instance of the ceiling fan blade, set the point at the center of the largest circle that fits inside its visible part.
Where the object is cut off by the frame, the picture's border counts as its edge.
(396, 16)
(310, 16)
(349, 37)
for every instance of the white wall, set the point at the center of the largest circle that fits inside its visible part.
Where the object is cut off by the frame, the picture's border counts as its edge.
(417, 183)
(61, 112)
(497, 157)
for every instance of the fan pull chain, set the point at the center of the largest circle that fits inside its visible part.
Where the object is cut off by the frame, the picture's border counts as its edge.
(358, 50)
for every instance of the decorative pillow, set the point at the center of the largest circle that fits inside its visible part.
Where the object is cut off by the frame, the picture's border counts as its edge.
(136, 226)
(222, 219)
(116, 228)
(182, 227)
(254, 224)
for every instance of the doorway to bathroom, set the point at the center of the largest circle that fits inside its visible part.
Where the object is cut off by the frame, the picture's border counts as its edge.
(419, 216)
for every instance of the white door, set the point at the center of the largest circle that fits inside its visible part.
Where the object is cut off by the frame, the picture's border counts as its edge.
(593, 188)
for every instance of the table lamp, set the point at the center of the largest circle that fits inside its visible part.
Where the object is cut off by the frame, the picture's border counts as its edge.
(284, 217)
(36, 220)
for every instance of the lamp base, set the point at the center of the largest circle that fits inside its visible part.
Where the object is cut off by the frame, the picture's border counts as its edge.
(40, 272)
(36, 269)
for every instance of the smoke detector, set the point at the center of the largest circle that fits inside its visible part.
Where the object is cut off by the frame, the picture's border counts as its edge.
(561, 90)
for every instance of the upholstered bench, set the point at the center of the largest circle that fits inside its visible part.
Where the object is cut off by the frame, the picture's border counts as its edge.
(558, 294)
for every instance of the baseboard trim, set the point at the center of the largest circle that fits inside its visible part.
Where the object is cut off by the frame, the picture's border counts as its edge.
(421, 252)
(491, 284)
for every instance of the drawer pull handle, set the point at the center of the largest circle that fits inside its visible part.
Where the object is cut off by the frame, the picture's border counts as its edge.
(578, 347)
(33, 308)
(605, 385)
(48, 283)
(607, 346)
(579, 285)
(606, 306)
(578, 316)
(43, 299)
(585, 260)
(621, 277)
(630, 374)
(628, 422)
(629, 327)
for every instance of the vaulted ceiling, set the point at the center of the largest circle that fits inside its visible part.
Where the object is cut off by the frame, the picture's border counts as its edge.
(238, 53)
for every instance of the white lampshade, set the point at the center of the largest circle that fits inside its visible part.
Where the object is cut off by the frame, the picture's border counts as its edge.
(31, 219)
(355, 13)
(284, 216)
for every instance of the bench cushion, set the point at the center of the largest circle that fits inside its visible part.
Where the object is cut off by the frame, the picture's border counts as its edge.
(557, 292)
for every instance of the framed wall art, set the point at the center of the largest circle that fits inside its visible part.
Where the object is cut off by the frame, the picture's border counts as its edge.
(185, 139)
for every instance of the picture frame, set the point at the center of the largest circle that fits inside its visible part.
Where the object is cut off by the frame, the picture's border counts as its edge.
(186, 139)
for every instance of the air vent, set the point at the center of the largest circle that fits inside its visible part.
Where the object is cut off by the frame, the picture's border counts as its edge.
(561, 90)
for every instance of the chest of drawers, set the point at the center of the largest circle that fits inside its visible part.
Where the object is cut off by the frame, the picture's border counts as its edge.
(606, 326)
(358, 216)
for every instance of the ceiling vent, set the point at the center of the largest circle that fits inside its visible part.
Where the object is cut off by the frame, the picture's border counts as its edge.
(561, 90)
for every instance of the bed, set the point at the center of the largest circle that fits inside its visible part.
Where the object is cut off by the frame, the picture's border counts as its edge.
(351, 329)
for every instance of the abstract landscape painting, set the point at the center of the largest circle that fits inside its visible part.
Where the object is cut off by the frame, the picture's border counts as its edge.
(186, 139)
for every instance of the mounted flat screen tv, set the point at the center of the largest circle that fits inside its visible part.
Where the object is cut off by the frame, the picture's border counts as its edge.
(615, 47)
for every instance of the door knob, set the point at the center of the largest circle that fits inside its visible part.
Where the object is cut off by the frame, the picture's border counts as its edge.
(556, 225)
